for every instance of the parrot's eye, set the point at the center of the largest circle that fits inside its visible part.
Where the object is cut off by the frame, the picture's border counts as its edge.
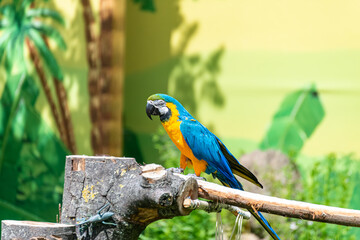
(159, 103)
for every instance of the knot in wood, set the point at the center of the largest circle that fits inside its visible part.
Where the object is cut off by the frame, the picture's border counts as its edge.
(166, 200)
(153, 172)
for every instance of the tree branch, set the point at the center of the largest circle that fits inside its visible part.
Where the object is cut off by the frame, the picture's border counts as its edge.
(278, 206)
(128, 197)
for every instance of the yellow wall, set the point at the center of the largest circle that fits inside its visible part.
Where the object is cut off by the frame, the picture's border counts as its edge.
(74, 66)
(267, 50)
(271, 48)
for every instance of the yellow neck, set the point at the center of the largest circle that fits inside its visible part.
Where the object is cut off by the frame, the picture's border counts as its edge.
(172, 127)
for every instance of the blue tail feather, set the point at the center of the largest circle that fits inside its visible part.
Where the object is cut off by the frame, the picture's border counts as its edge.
(259, 217)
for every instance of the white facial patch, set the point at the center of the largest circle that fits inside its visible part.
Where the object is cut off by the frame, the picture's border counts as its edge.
(161, 106)
(163, 110)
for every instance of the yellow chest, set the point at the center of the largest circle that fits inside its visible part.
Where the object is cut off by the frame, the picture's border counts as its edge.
(172, 127)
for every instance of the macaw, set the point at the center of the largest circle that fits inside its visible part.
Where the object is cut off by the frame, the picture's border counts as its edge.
(201, 149)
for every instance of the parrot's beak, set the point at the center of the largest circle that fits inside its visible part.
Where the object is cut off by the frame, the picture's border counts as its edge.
(151, 109)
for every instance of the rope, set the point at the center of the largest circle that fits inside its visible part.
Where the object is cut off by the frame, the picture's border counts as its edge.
(219, 233)
(238, 224)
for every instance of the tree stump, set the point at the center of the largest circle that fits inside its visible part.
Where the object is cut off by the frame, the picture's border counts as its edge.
(137, 195)
(25, 230)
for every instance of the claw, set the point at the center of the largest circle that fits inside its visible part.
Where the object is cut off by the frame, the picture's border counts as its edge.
(196, 177)
(176, 170)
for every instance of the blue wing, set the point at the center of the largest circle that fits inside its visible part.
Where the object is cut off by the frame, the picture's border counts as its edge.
(205, 146)
(221, 163)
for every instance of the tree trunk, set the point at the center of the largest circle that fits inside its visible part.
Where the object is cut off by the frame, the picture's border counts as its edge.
(93, 59)
(40, 72)
(111, 45)
(65, 115)
(135, 195)
(106, 72)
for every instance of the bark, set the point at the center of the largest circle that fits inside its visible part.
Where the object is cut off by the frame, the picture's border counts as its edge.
(137, 195)
(111, 45)
(65, 115)
(36, 230)
(40, 72)
(278, 206)
(105, 58)
(93, 59)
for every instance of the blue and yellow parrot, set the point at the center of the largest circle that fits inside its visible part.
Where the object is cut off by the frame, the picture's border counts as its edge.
(201, 149)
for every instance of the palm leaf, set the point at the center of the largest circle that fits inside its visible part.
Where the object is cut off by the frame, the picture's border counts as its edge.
(49, 32)
(30, 181)
(19, 52)
(46, 54)
(26, 3)
(12, 114)
(7, 9)
(14, 210)
(10, 57)
(3, 42)
(4, 23)
(44, 12)
(298, 116)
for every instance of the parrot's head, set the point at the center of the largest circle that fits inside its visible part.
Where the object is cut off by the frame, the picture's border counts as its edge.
(157, 104)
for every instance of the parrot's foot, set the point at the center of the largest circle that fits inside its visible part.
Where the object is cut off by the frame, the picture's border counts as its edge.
(196, 177)
(176, 170)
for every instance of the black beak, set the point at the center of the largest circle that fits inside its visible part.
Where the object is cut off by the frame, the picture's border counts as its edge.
(151, 110)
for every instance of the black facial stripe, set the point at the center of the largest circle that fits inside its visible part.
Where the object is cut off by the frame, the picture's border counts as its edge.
(165, 117)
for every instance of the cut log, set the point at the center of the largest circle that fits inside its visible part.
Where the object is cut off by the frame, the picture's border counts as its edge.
(137, 195)
(36, 230)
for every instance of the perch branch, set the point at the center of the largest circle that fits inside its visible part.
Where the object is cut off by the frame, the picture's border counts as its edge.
(278, 206)
(214, 207)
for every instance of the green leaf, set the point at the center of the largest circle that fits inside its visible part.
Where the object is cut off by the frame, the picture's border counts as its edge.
(4, 39)
(52, 150)
(13, 211)
(44, 12)
(146, 5)
(10, 120)
(8, 10)
(10, 57)
(48, 57)
(298, 116)
(49, 32)
(4, 23)
(26, 3)
(31, 178)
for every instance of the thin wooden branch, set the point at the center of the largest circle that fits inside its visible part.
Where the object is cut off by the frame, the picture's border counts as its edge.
(214, 207)
(278, 206)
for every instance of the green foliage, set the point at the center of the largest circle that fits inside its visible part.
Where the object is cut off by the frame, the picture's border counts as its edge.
(146, 5)
(195, 71)
(32, 157)
(330, 181)
(198, 225)
(169, 154)
(299, 114)
(18, 22)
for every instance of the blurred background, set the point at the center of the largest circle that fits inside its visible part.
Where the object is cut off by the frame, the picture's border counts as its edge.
(278, 81)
